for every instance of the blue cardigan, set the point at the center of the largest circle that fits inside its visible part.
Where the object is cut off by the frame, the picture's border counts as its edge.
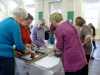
(10, 35)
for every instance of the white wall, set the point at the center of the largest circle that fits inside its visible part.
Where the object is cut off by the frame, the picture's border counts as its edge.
(70, 5)
(65, 5)
(39, 7)
(92, 15)
(78, 5)
(46, 11)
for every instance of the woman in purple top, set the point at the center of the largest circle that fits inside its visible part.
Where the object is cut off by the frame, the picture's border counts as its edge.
(68, 46)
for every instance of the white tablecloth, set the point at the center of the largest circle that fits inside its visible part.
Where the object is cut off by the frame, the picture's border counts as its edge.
(49, 65)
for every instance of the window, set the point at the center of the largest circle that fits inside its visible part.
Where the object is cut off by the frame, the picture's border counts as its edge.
(91, 13)
(55, 7)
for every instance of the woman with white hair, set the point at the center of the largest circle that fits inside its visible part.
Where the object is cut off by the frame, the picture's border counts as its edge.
(10, 35)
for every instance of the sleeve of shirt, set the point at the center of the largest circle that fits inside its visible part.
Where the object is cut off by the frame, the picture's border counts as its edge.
(35, 39)
(25, 36)
(17, 37)
(59, 39)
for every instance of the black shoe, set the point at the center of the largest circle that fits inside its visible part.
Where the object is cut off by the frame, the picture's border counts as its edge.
(95, 48)
(92, 57)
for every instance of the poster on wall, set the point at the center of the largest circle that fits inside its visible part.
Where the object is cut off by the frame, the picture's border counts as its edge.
(40, 15)
(70, 16)
(55, 7)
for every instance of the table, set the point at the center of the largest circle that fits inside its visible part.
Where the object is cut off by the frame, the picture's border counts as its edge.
(49, 65)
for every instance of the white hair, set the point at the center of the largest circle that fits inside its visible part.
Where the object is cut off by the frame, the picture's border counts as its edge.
(20, 12)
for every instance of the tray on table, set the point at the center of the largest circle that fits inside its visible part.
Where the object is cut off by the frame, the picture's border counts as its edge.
(41, 54)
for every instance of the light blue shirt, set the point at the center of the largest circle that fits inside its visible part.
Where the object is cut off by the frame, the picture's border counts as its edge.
(38, 36)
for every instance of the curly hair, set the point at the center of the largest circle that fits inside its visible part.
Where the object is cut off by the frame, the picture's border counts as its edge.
(57, 17)
(82, 21)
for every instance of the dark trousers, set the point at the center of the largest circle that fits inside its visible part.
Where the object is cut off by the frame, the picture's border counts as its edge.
(83, 71)
(88, 58)
(94, 44)
(7, 66)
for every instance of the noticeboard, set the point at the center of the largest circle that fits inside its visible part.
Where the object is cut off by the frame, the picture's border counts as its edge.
(40, 15)
(70, 15)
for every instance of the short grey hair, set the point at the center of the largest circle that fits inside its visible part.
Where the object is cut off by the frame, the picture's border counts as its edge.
(20, 12)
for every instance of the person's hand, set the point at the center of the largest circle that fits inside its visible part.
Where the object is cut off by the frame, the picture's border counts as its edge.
(45, 46)
(18, 54)
(57, 52)
(28, 52)
(28, 49)
(33, 45)
(32, 55)
(28, 45)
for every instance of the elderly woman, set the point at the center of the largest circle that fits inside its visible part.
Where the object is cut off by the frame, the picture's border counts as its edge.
(68, 46)
(25, 32)
(10, 35)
